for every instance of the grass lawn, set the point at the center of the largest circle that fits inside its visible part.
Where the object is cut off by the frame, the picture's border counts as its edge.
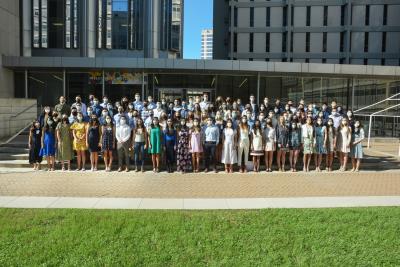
(318, 237)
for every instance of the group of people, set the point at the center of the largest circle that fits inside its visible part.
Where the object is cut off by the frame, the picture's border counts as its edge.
(184, 133)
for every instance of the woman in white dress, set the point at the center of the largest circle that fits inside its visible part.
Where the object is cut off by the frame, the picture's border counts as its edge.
(256, 145)
(270, 145)
(244, 144)
(229, 153)
(343, 143)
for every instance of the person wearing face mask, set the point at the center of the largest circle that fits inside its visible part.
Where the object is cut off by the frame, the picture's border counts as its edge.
(93, 134)
(195, 146)
(65, 153)
(62, 108)
(211, 140)
(73, 118)
(294, 145)
(307, 140)
(184, 110)
(105, 102)
(149, 120)
(356, 151)
(254, 105)
(325, 111)
(44, 116)
(282, 140)
(89, 113)
(48, 143)
(229, 149)
(267, 104)
(34, 144)
(111, 110)
(273, 117)
(250, 120)
(96, 108)
(257, 145)
(269, 135)
(190, 105)
(158, 110)
(91, 99)
(320, 144)
(169, 144)
(144, 113)
(244, 144)
(107, 142)
(79, 144)
(205, 103)
(118, 116)
(78, 102)
(330, 144)
(104, 114)
(123, 135)
(183, 157)
(137, 104)
(155, 144)
(343, 143)
(336, 117)
(150, 104)
(350, 118)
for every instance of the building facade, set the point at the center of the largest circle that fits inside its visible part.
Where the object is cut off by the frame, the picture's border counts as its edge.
(206, 44)
(336, 31)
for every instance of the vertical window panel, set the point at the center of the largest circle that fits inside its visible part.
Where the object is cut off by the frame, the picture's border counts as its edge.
(109, 24)
(68, 23)
(75, 23)
(36, 24)
(99, 23)
(44, 33)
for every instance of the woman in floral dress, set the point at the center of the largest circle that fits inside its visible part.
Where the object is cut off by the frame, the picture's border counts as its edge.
(183, 154)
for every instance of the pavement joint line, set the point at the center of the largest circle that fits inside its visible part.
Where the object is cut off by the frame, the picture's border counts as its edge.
(203, 203)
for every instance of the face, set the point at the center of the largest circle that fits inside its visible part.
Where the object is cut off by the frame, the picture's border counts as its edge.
(209, 122)
(95, 101)
(137, 97)
(62, 100)
(108, 119)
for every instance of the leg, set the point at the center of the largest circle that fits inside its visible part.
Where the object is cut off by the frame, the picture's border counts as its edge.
(358, 165)
(283, 160)
(105, 157)
(83, 159)
(279, 155)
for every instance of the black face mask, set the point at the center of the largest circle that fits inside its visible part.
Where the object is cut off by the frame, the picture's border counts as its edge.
(74, 113)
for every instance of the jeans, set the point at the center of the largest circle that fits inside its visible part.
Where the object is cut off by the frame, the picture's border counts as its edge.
(209, 154)
(139, 152)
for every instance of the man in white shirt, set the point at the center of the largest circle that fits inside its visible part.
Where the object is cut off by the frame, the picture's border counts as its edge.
(158, 110)
(204, 104)
(123, 135)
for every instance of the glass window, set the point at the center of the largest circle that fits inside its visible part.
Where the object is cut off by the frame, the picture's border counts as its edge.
(46, 87)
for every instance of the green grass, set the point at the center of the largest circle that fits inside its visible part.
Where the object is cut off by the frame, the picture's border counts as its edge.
(317, 237)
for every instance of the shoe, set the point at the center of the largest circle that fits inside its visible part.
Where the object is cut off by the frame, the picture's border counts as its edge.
(83, 169)
(136, 169)
(206, 170)
(127, 170)
(142, 169)
(119, 169)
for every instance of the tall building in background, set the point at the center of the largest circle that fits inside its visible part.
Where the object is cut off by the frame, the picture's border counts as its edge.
(338, 31)
(207, 44)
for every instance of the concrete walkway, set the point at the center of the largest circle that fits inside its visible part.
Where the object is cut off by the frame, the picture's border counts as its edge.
(100, 190)
(196, 204)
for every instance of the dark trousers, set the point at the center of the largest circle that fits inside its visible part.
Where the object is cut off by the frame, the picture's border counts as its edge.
(139, 153)
(170, 153)
(209, 154)
(123, 153)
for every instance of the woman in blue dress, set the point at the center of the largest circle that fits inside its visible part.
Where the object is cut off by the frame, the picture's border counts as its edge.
(49, 143)
(320, 143)
(356, 150)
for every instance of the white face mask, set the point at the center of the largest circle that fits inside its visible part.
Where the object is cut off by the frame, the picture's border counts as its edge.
(357, 125)
(330, 123)
(262, 118)
(105, 100)
(108, 120)
(123, 122)
(105, 114)
(137, 98)
(47, 110)
(80, 118)
(349, 114)
(89, 112)
(229, 125)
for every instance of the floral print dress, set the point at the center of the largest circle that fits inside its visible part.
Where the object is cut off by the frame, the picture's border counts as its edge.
(183, 155)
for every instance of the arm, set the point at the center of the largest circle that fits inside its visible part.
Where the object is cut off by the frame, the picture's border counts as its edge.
(30, 140)
(218, 137)
(87, 136)
(325, 137)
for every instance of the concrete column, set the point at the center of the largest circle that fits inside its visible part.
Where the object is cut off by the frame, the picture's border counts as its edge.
(103, 85)
(27, 27)
(26, 83)
(258, 88)
(64, 83)
(89, 28)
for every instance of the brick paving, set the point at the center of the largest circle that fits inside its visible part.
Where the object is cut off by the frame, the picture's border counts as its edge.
(221, 185)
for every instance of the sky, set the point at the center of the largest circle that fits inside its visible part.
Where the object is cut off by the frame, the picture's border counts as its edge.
(198, 16)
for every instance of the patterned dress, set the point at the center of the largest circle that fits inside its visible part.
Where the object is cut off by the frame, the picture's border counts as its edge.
(356, 151)
(319, 143)
(330, 131)
(65, 144)
(80, 132)
(308, 139)
(183, 156)
(107, 139)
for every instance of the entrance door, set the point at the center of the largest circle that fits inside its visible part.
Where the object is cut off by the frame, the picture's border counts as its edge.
(200, 92)
(170, 94)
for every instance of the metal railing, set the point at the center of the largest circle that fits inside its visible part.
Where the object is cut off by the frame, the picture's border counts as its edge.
(378, 113)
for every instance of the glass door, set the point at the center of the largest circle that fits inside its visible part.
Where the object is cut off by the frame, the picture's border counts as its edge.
(170, 94)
